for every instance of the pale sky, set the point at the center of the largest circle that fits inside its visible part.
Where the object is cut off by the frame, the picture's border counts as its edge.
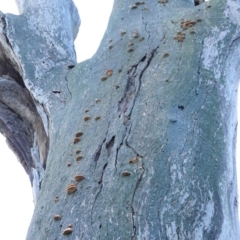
(16, 202)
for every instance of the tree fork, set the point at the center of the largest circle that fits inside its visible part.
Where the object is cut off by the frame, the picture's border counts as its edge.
(149, 122)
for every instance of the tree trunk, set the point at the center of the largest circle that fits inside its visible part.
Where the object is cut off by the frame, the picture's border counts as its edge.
(139, 141)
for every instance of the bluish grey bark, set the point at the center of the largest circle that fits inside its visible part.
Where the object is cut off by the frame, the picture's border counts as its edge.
(149, 122)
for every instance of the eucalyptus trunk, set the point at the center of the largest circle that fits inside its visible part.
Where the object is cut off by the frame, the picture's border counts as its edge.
(137, 142)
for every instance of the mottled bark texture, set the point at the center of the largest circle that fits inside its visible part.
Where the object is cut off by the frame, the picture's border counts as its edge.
(149, 121)
(36, 50)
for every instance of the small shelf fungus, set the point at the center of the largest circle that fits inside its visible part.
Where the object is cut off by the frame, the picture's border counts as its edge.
(135, 35)
(71, 188)
(192, 31)
(97, 118)
(78, 159)
(78, 151)
(97, 100)
(109, 72)
(104, 78)
(122, 33)
(76, 140)
(56, 199)
(79, 178)
(126, 173)
(187, 24)
(139, 3)
(180, 37)
(133, 160)
(162, 1)
(134, 6)
(130, 50)
(78, 134)
(57, 217)
(68, 230)
(87, 118)
(165, 55)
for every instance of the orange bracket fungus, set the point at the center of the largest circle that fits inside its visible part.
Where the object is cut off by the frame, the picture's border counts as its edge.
(67, 231)
(87, 118)
(71, 188)
(78, 178)
(57, 217)
(109, 72)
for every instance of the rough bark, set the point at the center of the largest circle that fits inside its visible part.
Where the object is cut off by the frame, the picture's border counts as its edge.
(156, 111)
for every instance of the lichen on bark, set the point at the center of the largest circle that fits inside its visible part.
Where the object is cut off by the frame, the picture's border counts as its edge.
(161, 90)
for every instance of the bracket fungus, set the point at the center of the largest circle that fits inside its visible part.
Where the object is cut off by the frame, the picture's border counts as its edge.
(109, 72)
(56, 199)
(87, 118)
(57, 217)
(180, 37)
(133, 160)
(76, 140)
(165, 55)
(126, 173)
(134, 6)
(78, 151)
(130, 50)
(67, 231)
(78, 178)
(79, 158)
(163, 1)
(135, 35)
(71, 188)
(79, 134)
(104, 78)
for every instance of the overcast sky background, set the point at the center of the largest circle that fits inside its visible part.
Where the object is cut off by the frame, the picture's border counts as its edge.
(16, 200)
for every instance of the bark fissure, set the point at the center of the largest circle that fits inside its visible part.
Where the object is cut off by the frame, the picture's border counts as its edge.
(68, 87)
(100, 182)
(99, 149)
(132, 202)
(109, 145)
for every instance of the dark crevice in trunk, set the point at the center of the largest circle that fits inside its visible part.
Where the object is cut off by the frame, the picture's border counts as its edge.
(20, 121)
(198, 2)
(109, 145)
(98, 152)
